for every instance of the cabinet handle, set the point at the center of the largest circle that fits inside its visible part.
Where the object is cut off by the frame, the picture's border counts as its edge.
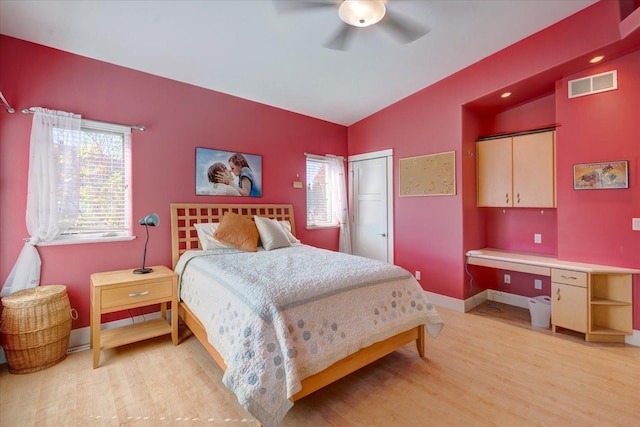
(518, 196)
(506, 197)
(558, 295)
(569, 277)
(139, 294)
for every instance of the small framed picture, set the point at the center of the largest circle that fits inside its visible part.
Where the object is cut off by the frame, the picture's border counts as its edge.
(225, 173)
(605, 175)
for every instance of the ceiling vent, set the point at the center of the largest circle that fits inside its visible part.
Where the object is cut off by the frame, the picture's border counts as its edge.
(593, 84)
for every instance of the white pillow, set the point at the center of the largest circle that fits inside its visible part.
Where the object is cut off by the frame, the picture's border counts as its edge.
(271, 233)
(286, 226)
(205, 235)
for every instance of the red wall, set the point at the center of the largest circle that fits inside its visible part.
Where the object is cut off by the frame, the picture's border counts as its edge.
(595, 225)
(179, 117)
(433, 233)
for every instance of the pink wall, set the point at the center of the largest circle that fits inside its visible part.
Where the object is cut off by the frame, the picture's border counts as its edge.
(434, 232)
(179, 117)
(595, 225)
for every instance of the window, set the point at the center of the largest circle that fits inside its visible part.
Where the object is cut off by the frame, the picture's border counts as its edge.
(320, 212)
(94, 178)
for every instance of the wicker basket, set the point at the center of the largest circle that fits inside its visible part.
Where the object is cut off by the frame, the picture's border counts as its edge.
(35, 328)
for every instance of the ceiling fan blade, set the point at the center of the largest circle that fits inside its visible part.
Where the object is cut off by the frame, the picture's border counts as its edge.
(286, 6)
(340, 39)
(404, 29)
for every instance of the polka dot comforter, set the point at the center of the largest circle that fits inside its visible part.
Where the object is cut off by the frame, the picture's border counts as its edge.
(279, 316)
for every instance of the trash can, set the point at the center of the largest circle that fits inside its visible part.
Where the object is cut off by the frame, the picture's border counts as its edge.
(540, 309)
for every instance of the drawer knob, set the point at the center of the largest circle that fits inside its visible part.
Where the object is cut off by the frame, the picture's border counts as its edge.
(139, 294)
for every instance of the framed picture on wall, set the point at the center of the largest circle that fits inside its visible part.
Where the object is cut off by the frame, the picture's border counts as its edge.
(605, 175)
(226, 173)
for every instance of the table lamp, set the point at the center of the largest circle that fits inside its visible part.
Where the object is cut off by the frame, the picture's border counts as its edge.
(149, 220)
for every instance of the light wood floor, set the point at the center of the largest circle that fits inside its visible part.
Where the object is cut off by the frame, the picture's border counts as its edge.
(480, 371)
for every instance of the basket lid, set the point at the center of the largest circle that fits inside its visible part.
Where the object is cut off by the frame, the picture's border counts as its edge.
(34, 296)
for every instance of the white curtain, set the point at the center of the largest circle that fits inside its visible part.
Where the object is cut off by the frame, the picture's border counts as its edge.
(340, 203)
(53, 158)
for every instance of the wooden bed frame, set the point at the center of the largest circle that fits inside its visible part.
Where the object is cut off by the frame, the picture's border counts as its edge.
(184, 237)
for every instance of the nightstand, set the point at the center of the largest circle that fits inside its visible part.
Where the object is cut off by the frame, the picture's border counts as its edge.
(122, 290)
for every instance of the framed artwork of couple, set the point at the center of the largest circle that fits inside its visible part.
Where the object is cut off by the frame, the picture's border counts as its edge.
(226, 173)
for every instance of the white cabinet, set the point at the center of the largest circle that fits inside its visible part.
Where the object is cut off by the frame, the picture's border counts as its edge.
(517, 171)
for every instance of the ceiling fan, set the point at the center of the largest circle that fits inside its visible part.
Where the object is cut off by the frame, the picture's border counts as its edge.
(358, 14)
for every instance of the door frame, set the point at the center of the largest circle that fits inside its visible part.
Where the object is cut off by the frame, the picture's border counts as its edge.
(388, 154)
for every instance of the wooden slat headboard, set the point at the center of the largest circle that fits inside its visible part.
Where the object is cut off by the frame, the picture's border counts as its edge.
(184, 215)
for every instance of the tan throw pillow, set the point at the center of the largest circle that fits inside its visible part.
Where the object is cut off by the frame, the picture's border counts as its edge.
(271, 233)
(237, 231)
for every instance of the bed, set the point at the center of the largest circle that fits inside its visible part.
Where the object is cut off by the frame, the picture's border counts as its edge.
(308, 333)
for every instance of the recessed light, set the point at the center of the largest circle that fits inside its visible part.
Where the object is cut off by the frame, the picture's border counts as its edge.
(505, 95)
(596, 59)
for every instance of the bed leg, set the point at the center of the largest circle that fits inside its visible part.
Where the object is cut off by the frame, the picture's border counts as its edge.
(421, 341)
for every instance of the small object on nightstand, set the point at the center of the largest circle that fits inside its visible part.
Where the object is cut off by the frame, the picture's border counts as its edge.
(123, 290)
(149, 220)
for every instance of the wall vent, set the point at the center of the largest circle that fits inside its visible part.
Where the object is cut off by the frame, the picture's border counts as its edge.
(593, 84)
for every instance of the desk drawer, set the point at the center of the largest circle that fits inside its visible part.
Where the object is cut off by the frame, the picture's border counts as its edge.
(137, 295)
(569, 277)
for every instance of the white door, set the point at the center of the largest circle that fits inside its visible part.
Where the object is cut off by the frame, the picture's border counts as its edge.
(371, 198)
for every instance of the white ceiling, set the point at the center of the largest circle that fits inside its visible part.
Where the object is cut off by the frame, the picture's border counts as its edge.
(248, 49)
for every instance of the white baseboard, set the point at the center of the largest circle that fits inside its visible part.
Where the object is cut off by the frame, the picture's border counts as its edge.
(79, 338)
(633, 339)
(507, 298)
(446, 302)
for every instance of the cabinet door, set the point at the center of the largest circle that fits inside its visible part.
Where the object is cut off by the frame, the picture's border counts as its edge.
(569, 307)
(494, 172)
(534, 170)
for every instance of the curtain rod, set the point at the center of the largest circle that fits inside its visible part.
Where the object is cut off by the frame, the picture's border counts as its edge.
(134, 127)
(321, 157)
(7, 107)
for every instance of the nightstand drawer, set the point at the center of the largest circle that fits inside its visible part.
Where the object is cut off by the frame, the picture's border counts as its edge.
(569, 277)
(136, 295)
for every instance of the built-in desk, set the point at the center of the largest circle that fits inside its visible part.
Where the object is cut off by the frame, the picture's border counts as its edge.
(589, 298)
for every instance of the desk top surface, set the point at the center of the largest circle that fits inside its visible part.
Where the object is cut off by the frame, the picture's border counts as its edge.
(546, 261)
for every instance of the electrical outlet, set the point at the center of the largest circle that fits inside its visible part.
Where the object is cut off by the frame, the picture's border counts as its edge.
(507, 278)
(417, 275)
(537, 238)
(635, 224)
(537, 283)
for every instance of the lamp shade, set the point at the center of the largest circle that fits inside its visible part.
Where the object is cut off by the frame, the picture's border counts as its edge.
(362, 13)
(151, 219)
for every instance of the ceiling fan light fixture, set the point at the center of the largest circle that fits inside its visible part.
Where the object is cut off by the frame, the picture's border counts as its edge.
(362, 13)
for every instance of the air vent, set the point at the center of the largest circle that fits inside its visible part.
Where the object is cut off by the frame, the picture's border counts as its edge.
(593, 84)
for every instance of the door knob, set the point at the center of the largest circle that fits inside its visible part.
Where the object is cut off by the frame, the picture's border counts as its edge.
(382, 234)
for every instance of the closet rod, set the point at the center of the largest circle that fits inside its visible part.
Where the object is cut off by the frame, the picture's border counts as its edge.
(134, 127)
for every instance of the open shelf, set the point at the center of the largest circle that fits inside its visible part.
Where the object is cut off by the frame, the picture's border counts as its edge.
(606, 301)
(132, 333)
